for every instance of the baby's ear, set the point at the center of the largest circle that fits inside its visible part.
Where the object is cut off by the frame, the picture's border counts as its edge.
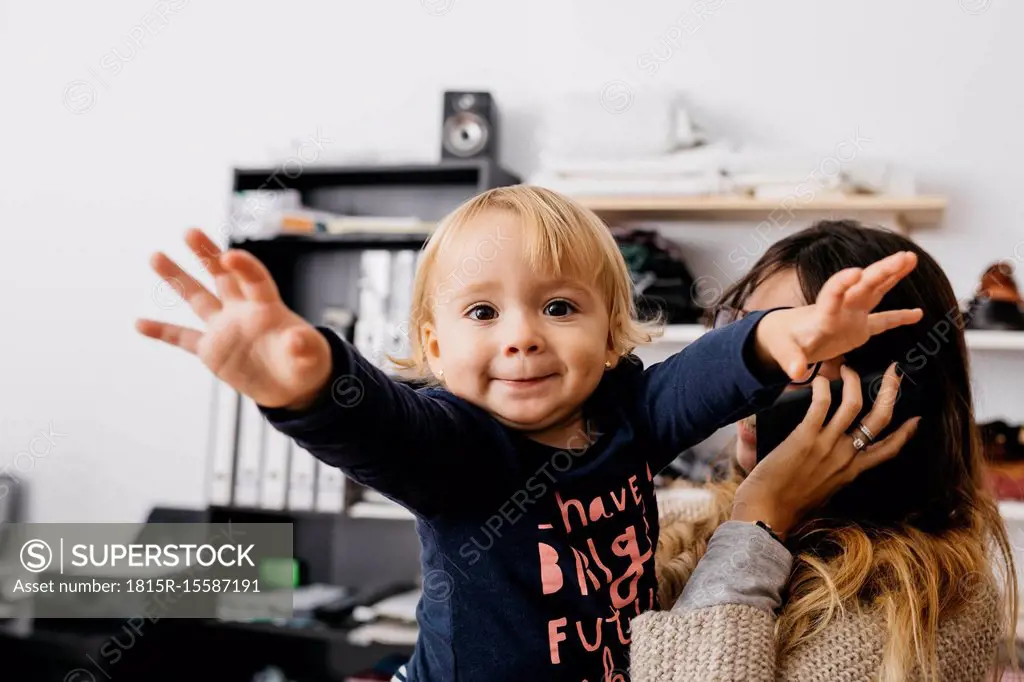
(430, 349)
(612, 355)
(429, 341)
(611, 343)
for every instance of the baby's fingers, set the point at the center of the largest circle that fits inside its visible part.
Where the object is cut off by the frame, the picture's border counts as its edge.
(830, 298)
(206, 252)
(878, 278)
(199, 298)
(209, 255)
(252, 275)
(182, 337)
(890, 319)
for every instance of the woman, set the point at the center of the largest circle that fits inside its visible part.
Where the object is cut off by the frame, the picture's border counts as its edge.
(880, 556)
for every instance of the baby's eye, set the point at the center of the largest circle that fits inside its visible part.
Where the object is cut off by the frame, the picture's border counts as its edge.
(559, 308)
(486, 313)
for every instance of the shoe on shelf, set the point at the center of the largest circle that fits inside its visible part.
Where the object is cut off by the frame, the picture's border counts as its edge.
(1005, 480)
(997, 304)
(1002, 442)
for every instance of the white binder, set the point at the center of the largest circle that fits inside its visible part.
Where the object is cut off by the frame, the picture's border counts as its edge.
(330, 488)
(274, 483)
(370, 335)
(302, 479)
(403, 269)
(252, 429)
(222, 442)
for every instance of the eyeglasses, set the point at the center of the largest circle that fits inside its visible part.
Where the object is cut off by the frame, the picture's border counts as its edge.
(724, 315)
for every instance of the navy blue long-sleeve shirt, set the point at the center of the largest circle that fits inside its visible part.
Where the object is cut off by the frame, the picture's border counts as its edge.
(534, 558)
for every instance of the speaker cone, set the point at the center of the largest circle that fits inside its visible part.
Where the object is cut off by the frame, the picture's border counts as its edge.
(465, 134)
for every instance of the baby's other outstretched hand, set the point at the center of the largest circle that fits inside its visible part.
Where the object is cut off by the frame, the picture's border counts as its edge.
(840, 320)
(253, 341)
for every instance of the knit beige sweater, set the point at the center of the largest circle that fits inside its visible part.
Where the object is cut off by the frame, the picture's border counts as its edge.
(736, 642)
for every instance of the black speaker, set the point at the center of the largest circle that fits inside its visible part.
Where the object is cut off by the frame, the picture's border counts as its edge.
(470, 126)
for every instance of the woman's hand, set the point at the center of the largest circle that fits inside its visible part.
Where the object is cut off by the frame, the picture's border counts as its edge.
(839, 320)
(252, 342)
(818, 459)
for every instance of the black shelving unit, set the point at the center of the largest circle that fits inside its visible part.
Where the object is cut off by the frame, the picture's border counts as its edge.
(314, 271)
(482, 174)
(426, 191)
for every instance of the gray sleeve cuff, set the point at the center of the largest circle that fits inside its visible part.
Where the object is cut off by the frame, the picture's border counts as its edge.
(742, 565)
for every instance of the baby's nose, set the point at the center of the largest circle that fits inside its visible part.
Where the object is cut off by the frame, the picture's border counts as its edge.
(524, 338)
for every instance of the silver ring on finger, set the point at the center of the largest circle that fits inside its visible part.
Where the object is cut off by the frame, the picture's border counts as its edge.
(862, 439)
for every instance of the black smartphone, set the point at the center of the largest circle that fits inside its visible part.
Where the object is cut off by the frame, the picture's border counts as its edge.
(776, 423)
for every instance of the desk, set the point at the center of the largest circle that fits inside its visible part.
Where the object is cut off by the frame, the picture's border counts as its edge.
(180, 650)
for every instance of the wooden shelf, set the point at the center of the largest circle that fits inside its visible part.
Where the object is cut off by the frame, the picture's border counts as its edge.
(916, 211)
(994, 340)
(374, 510)
(680, 334)
(978, 340)
(1012, 510)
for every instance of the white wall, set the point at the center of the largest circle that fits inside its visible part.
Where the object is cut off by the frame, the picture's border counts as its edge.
(106, 159)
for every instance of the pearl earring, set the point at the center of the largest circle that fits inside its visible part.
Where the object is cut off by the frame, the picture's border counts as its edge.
(440, 374)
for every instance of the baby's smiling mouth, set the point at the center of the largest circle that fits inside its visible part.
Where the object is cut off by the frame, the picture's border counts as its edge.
(527, 380)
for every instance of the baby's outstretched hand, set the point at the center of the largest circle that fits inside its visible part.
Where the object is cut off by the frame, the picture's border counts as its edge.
(840, 320)
(252, 341)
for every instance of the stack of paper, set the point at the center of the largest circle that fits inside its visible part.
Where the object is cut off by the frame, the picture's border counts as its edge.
(307, 220)
(389, 621)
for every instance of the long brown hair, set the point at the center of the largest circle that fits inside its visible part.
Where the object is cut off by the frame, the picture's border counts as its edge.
(915, 536)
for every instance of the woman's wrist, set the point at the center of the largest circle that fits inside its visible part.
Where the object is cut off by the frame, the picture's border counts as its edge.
(777, 525)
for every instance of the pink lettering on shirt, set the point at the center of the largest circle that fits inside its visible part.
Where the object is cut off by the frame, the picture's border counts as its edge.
(550, 573)
(555, 636)
(583, 568)
(564, 507)
(597, 636)
(597, 510)
(626, 546)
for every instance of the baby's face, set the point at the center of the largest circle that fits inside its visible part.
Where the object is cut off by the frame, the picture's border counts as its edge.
(527, 349)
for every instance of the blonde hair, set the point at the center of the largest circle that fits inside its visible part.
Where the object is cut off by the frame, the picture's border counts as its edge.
(562, 239)
(914, 578)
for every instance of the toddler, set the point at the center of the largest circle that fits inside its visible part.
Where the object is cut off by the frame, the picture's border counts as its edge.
(528, 457)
